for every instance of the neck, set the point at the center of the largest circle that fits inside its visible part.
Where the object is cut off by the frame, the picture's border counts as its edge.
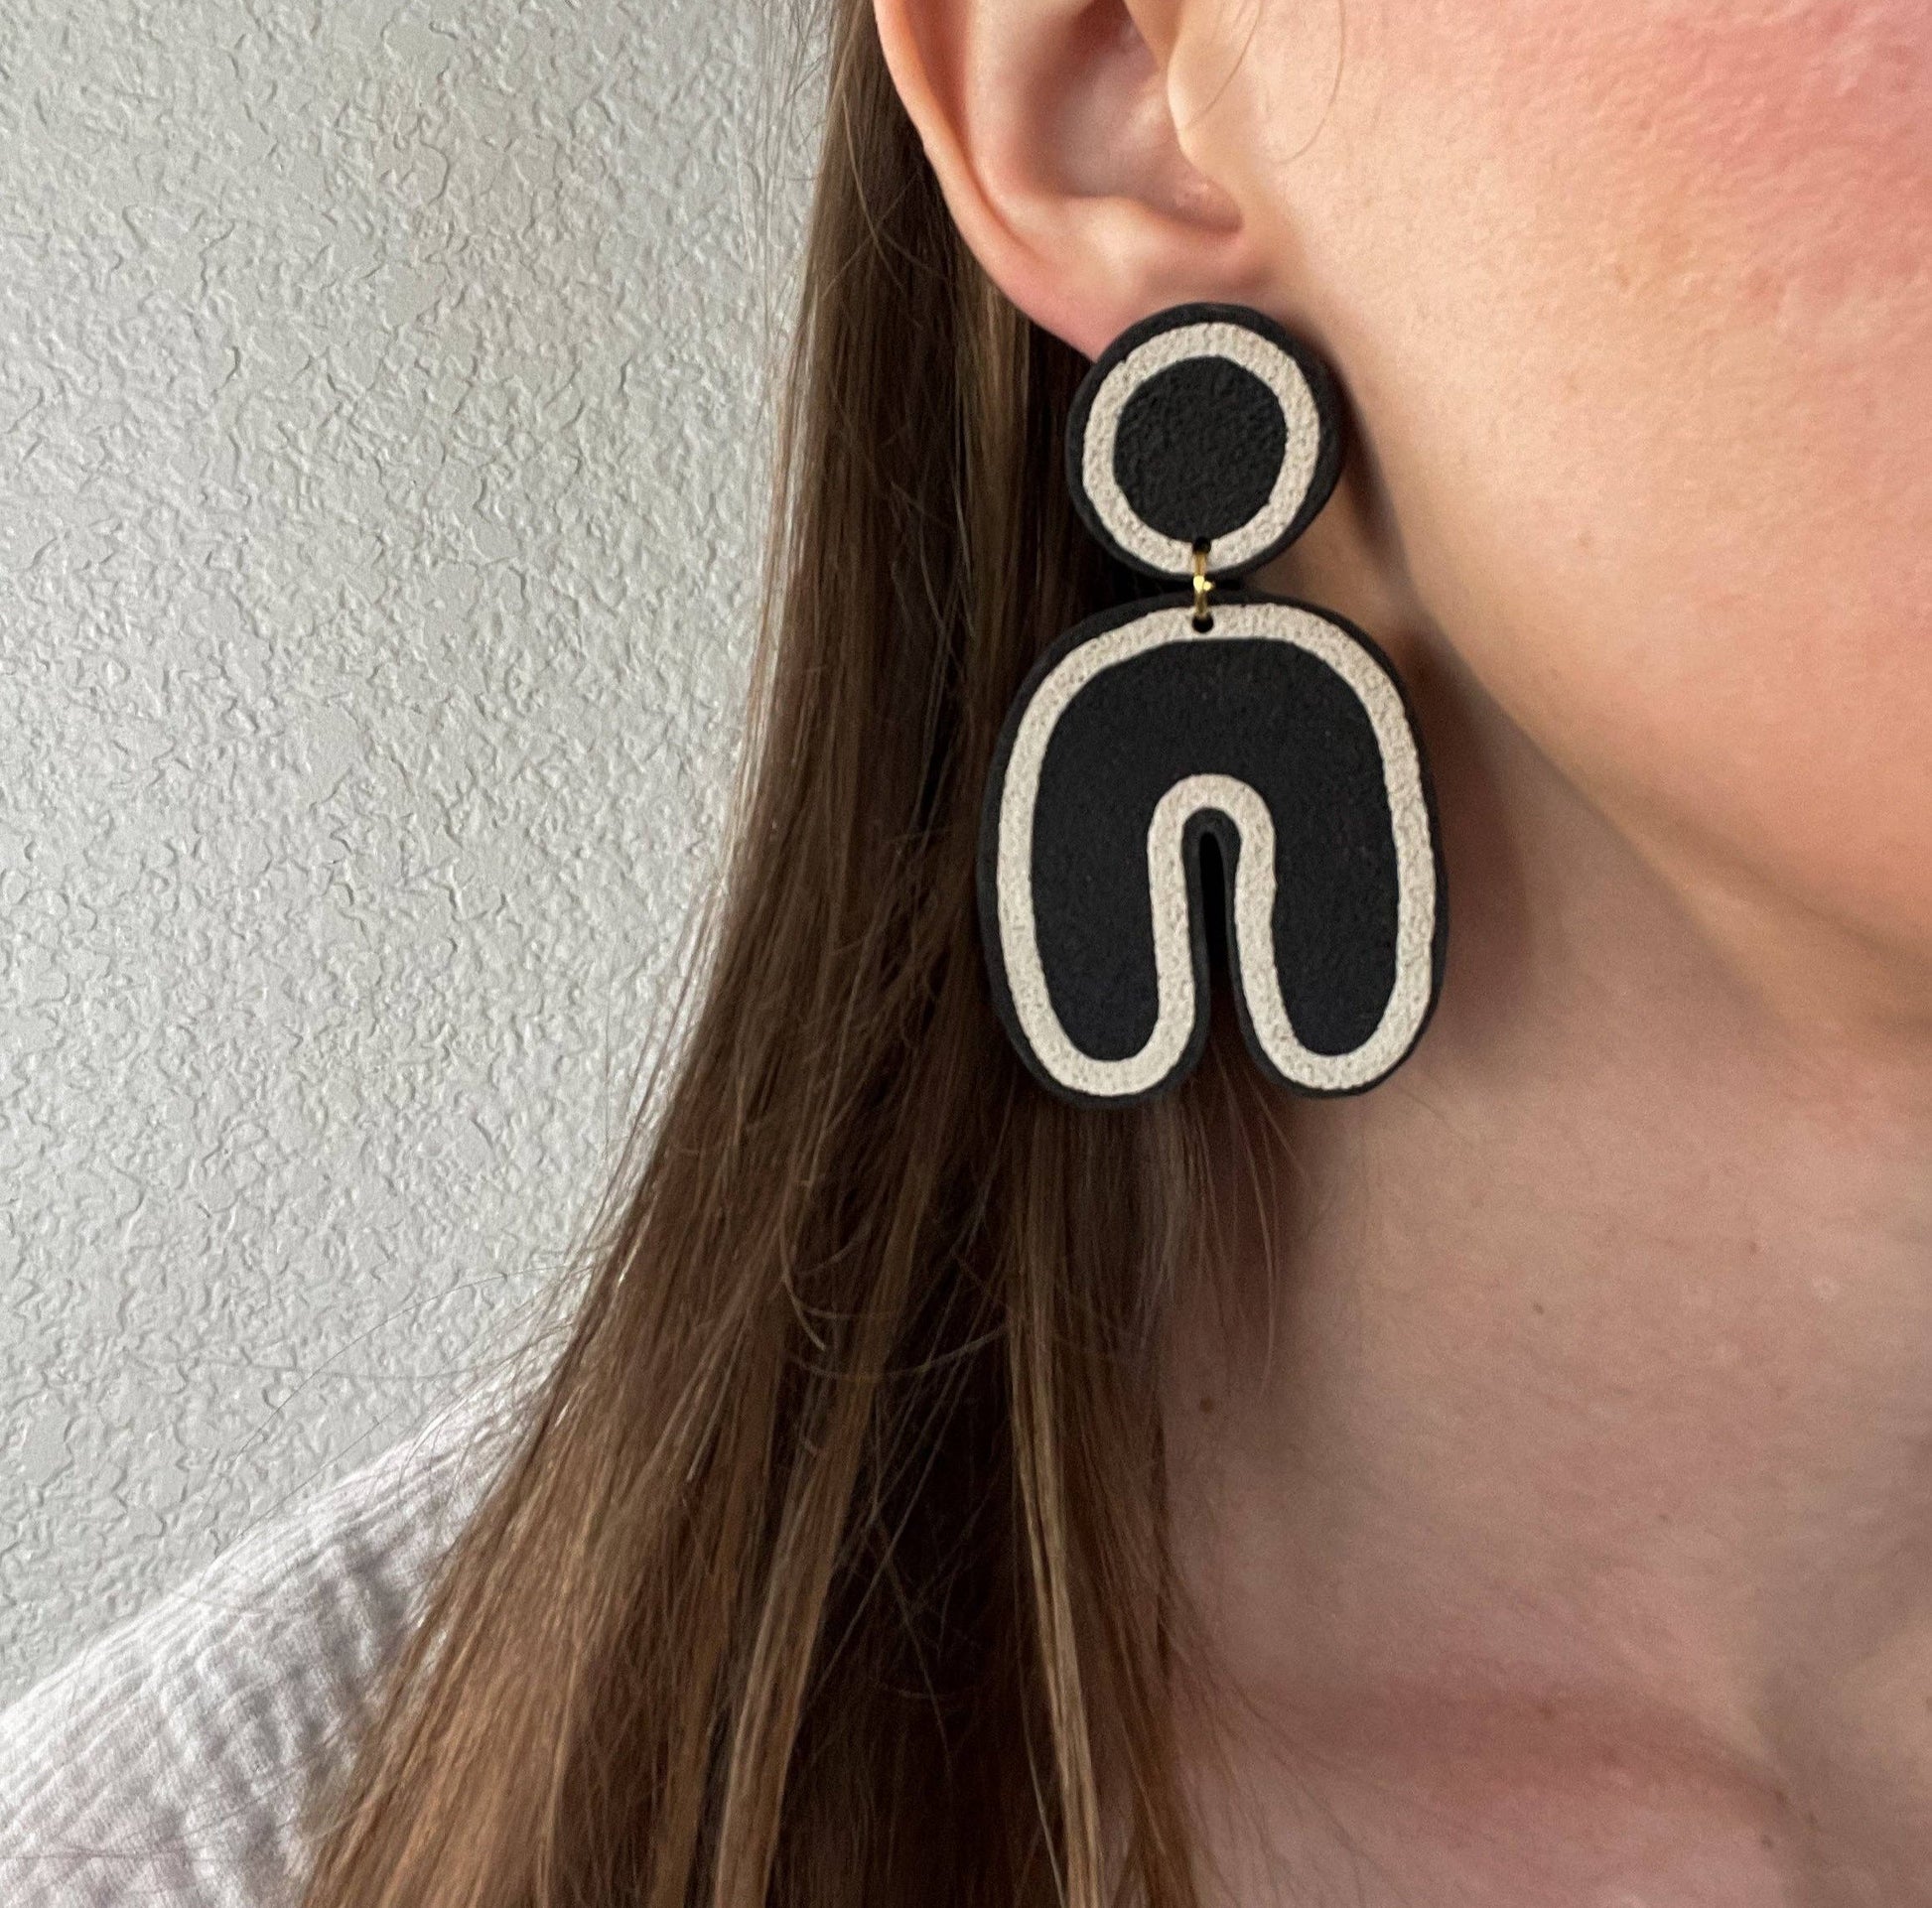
(1576, 1498)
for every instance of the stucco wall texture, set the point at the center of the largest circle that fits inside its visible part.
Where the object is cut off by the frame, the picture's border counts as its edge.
(382, 420)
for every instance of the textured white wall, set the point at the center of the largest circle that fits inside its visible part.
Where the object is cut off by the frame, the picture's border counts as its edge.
(381, 389)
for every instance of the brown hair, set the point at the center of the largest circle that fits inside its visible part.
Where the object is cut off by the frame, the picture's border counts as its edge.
(828, 1568)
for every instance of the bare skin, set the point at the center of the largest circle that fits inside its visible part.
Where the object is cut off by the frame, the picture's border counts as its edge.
(1567, 1538)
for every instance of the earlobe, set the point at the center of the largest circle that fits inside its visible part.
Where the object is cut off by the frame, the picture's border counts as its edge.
(1049, 125)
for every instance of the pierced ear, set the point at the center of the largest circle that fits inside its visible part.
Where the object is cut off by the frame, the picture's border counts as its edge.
(1050, 127)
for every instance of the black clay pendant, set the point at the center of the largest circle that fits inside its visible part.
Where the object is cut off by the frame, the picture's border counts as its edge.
(1202, 442)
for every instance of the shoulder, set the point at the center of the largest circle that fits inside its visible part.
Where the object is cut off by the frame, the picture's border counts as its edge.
(172, 1760)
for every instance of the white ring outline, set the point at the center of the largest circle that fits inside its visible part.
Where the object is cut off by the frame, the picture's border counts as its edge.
(1238, 549)
(1416, 892)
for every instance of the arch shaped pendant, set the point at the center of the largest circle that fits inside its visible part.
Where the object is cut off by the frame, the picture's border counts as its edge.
(1202, 442)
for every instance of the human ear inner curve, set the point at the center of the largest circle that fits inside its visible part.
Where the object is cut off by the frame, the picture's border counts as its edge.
(1201, 443)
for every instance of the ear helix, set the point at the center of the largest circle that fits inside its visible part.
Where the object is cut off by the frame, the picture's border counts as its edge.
(1201, 443)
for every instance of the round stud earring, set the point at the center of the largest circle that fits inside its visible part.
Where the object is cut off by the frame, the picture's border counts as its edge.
(1202, 442)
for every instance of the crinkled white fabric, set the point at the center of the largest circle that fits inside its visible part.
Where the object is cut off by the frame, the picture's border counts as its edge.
(172, 1759)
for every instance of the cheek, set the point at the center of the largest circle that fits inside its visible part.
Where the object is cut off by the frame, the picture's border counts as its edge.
(1772, 155)
(1633, 301)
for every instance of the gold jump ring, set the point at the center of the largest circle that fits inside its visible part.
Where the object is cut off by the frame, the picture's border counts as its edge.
(1204, 583)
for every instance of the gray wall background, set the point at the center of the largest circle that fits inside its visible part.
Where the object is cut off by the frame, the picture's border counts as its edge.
(382, 396)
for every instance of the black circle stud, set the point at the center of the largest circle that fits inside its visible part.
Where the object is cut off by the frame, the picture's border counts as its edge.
(1203, 425)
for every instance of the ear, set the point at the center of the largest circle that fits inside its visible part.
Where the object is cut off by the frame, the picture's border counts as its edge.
(1051, 125)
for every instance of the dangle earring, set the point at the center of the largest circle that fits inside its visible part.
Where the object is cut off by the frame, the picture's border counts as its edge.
(1202, 442)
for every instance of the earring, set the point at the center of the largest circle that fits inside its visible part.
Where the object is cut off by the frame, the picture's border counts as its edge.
(1202, 442)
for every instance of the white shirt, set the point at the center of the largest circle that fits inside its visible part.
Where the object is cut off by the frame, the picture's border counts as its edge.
(170, 1761)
